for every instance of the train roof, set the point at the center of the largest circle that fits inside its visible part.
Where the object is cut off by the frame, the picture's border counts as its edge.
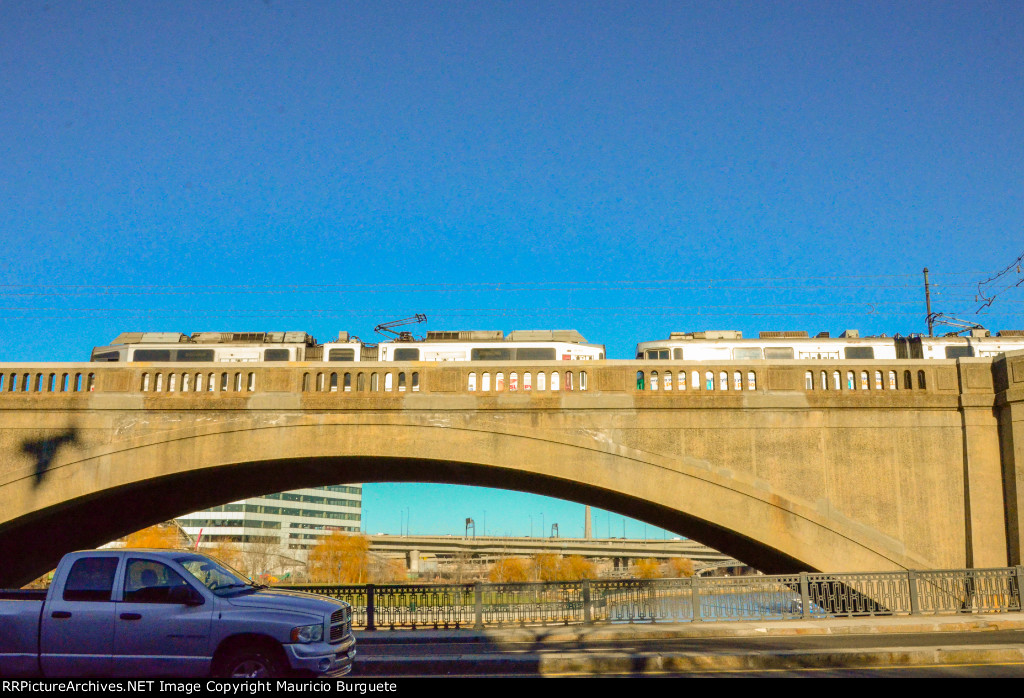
(571, 336)
(215, 338)
(979, 333)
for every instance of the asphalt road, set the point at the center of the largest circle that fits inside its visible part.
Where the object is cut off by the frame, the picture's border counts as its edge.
(845, 650)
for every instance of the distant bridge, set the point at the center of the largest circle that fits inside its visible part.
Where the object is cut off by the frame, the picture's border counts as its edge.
(786, 465)
(621, 550)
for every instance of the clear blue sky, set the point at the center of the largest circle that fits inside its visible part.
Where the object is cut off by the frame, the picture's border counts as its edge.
(625, 169)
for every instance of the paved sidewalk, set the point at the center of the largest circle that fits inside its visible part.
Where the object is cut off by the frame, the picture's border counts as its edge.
(638, 649)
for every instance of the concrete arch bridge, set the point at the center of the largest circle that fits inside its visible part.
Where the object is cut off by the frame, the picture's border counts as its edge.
(789, 465)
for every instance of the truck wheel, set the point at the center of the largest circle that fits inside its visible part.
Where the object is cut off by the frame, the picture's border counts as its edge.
(250, 662)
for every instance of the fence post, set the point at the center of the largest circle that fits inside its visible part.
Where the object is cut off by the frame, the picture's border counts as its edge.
(805, 596)
(478, 605)
(915, 603)
(1020, 587)
(588, 617)
(695, 597)
(370, 608)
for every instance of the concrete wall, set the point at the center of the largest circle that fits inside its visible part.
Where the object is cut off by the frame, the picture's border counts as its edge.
(778, 473)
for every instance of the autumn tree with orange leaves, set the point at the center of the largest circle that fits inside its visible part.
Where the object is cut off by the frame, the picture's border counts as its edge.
(159, 536)
(340, 558)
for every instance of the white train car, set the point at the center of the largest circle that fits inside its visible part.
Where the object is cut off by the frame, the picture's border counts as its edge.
(478, 345)
(728, 345)
(204, 347)
(262, 347)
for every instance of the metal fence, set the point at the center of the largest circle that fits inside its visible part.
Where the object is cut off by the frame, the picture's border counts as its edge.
(776, 597)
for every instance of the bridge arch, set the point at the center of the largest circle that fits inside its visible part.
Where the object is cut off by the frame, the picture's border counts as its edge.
(123, 486)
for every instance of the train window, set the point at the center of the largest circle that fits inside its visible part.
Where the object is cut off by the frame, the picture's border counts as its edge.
(555, 385)
(499, 382)
(401, 381)
(406, 354)
(535, 354)
(152, 355)
(275, 355)
(348, 382)
(654, 380)
(472, 382)
(341, 355)
(490, 355)
(920, 380)
(583, 380)
(959, 352)
(107, 356)
(681, 380)
(192, 355)
(415, 381)
(859, 352)
(677, 354)
(709, 380)
(778, 353)
(542, 380)
(657, 354)
(747, 353)
(666, 381)
(334, 383)
(751, 380)
(639, 380)
(513, 381)
(485, 382)
(527, 381)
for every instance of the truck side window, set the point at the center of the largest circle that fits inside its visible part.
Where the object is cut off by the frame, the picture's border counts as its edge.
(149, 581)
(91, 579)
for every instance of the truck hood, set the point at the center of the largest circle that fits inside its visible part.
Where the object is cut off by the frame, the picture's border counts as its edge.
(283, 599)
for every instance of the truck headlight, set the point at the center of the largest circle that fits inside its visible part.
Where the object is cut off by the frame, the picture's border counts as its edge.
(308, 633)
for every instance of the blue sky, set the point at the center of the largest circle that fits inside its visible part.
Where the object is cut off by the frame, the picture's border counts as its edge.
(625, 169)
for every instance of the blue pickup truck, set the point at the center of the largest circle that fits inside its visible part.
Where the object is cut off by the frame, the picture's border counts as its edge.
(147, 613)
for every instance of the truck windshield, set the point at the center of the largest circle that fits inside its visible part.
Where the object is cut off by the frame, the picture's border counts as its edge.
(214, 575)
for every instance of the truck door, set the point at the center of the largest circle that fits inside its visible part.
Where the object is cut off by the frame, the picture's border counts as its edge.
(162, 624)
(77, 633)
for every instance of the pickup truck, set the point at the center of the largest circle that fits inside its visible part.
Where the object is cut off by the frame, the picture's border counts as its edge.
(164, 613)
